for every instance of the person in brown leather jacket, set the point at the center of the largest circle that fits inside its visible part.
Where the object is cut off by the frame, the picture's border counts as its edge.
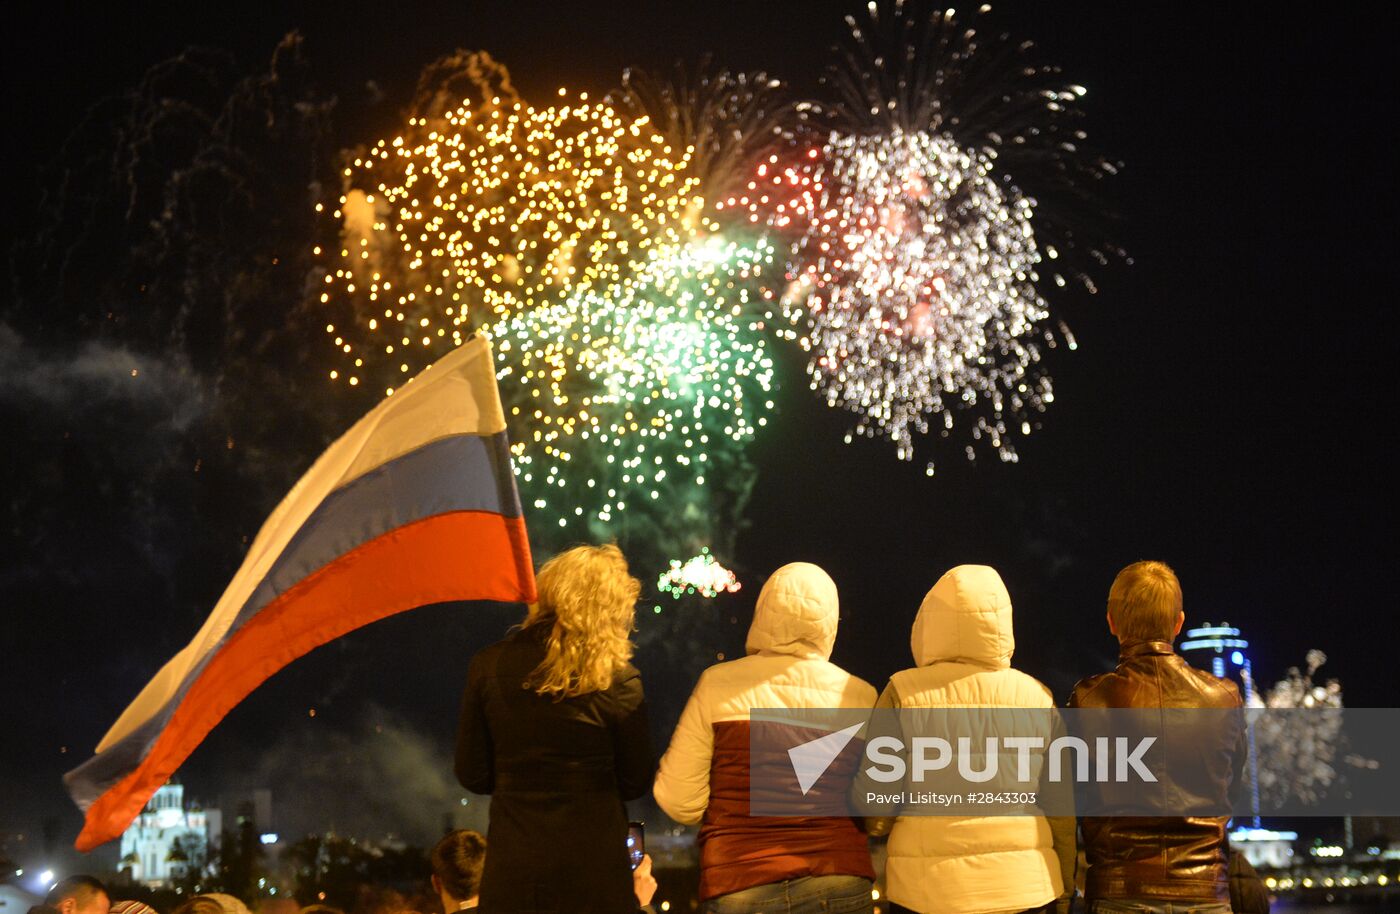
(1156, 864)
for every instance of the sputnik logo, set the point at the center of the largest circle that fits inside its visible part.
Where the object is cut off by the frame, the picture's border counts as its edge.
(811, 759)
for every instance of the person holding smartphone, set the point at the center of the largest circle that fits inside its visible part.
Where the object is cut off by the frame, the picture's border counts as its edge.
(554, 727)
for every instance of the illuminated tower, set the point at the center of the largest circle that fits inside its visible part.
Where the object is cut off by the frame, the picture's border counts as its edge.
(1223, 647)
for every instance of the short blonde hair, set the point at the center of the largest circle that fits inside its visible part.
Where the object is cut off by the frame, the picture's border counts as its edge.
(589, 601)
(1144, 602)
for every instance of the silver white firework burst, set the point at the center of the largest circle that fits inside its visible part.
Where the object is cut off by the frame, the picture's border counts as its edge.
(922, 269)
(951, 185)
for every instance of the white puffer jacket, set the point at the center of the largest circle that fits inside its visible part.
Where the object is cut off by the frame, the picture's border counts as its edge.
(962, 642)
(704, 775)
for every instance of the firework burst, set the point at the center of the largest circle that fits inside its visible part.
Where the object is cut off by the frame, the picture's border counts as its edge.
(627, 348)
(622, 395)
(701, 574)
(487, 210)
(916, 261)
(917, 281)
(914, 67)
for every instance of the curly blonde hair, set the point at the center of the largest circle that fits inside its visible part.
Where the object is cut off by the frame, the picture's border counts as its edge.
(589, 601)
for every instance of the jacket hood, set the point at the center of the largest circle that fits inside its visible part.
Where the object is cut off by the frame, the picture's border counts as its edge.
(796, 614)
(966, 617)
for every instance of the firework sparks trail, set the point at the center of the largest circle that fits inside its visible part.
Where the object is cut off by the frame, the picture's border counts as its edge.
(629, 347)
(727, 120)
(917, 261)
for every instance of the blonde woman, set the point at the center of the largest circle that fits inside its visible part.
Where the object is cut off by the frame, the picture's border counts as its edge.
(554, 727)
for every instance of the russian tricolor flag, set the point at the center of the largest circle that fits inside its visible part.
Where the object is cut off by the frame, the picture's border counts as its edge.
(416, 504)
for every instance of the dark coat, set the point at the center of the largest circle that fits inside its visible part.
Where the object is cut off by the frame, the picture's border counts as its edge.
(558, 773)
(1248, 894)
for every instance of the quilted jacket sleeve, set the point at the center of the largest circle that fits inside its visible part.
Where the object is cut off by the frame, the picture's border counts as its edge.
(682, 788)
(862, 785)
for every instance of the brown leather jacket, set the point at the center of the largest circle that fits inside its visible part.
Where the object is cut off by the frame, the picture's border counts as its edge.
(1169, 859)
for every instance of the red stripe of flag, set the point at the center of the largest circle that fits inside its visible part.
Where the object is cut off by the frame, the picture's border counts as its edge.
(462, 555)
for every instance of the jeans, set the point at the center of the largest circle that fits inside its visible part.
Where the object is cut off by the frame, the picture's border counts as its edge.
(808, 895)
(1152, 906)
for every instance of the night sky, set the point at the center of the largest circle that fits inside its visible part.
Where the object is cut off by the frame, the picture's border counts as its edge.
(1229, 409)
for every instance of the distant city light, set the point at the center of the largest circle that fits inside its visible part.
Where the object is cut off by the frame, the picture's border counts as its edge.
(1237, 658)
(268, 837)
(1261, 834)
(1213, 637)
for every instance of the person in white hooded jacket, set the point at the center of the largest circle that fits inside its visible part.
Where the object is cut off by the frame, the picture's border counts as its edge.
(962, 643)
(769, 864)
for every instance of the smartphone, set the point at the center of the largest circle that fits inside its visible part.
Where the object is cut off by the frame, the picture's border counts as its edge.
(636, 843)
